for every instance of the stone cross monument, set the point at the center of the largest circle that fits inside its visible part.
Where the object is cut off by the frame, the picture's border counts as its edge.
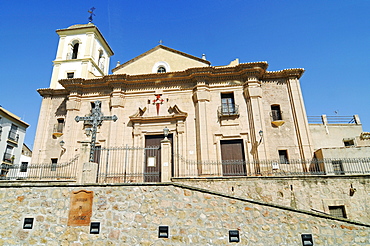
(95, 119)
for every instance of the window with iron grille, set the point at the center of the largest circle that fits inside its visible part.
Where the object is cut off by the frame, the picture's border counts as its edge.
(54, 162)
(338, 211)
(276, 112)
(8, 155)
(60, 125)
(227, 104)
(13, 133)
(283, 156)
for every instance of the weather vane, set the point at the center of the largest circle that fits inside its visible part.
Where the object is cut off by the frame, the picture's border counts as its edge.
(91, 11)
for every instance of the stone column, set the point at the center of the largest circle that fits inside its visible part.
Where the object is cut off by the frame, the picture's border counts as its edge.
(166, 172)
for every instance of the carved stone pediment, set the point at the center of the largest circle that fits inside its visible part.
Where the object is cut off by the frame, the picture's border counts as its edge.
(174, 113)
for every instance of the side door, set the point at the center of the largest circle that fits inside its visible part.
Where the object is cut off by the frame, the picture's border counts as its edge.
(232, 154)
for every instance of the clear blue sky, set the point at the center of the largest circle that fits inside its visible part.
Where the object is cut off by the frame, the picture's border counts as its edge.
(329, 39)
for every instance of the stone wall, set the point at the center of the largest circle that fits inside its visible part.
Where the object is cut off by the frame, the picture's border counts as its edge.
(311, 193)
(130, 214)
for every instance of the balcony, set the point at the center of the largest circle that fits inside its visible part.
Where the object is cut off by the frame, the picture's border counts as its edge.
(58, 130)
(228, 110)
(8, 158)
(13, 137)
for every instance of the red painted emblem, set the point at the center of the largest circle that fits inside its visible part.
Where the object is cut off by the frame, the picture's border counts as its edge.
(158, 101)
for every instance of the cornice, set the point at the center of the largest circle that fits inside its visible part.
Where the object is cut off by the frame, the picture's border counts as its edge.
(286, 73)
(47, 92)
(189, 76)
(155, 119)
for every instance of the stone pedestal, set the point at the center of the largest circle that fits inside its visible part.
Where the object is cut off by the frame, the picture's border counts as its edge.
(166, 172)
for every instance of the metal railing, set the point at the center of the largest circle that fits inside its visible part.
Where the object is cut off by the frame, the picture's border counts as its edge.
(331, 119)
(13, 136)
(9, 158)
(130, 164)
(45, 171)
(228, 110)
(350, 166)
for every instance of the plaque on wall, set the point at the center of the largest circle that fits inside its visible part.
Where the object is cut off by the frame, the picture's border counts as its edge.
(80, 210)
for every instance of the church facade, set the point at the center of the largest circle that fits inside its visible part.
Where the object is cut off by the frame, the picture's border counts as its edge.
(237, 112)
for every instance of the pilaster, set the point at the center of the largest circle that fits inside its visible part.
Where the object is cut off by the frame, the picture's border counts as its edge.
(201, 97)
(300, 118)
(253, 96)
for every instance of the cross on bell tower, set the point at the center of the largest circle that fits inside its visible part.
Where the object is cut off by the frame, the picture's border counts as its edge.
(95, 119)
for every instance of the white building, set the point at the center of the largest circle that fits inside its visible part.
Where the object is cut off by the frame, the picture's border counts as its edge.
(12, 133)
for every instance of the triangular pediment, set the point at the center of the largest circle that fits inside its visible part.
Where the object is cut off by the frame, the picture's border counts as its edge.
(160, 56)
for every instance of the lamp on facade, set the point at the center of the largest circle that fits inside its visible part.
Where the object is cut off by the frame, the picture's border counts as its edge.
(165, 132)
(61, 143)
(261, 136)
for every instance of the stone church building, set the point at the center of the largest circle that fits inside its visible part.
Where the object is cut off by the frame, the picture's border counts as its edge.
(240, 112)
(170, 150)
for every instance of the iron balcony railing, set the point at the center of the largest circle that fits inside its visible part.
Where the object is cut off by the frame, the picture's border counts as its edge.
(58, 128)
(8, 158)
(13, 136)
(227, 109)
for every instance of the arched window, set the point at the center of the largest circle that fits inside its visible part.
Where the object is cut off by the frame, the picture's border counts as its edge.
(101, 59)
(75, 50)
(161, 69)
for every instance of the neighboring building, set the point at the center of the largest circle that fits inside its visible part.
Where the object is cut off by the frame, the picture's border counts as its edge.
(12, 133)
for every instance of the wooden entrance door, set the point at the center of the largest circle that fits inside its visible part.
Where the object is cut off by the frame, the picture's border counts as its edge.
(232, 154)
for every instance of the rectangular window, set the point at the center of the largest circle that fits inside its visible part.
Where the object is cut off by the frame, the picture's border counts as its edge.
(227, 104)
(13, 133)
(338, 211)
(348, 142)
(338, 167)
(276, 112)
(24, 166)
(283, 156)
(60, 125)
(54, 162)
(70, 75)
(8, 155)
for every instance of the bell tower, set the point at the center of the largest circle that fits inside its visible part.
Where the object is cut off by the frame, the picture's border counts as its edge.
(82, 53)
